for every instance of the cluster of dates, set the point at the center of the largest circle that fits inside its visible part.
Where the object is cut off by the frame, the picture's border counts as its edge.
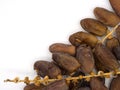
(85, 54)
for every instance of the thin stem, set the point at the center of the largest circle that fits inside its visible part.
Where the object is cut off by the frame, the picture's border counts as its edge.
(111, 36)
(110, 33)
(38, 81)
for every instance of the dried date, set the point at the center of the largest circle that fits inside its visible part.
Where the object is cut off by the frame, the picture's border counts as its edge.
(93, 26)
(65, 61)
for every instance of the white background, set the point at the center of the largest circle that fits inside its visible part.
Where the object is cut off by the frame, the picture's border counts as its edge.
(28, 27)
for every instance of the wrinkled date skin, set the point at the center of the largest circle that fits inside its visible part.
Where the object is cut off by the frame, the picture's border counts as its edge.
(84, 88)
(96, 84)
(93, 26)
(105, 57)
(102, 79)
(115, 84)
(65, 61)
(85, 57)
(33, 87)
(106, 17)
(111, 43)
(116, 6)
(64, 48)
(99, 66)
(63, 71)
(83, 38)
(57, 85)
(116, 52)
(45, 68)
(117, 31)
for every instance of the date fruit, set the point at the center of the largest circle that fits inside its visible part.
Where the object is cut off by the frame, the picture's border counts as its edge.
(106, 17)
(57, 85)
(65, 61)
(84, 88)
(93, 26)
(105, 57)
(115, 83)
(63, 48)
(96, 84)
(99, 66)
(83, 38)
(116, 6)
(33, 87)
(85, 57)
(45, 68)
(117, 31)
(116, 52)
(111, 43)
(102, 79)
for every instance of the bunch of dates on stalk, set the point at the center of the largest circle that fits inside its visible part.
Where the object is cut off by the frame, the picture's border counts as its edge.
(86, 55)
(75, 66)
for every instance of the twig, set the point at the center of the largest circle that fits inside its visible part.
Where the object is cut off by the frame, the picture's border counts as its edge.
(110, 33)
(37, 80)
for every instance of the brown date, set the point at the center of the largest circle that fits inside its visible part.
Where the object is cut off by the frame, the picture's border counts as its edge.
(65, 61)
(33, 87)
(106, 17)
(45, 68)
(85, 57)
(93, 26)
(57, 85)
(116, 51)
(84, 88)
(117, 31)
(105, 57)
(111, 43)
(83, 38)
(64, 48)
(99, 66)
(116, 6)
(115, 83)
(96, 84)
